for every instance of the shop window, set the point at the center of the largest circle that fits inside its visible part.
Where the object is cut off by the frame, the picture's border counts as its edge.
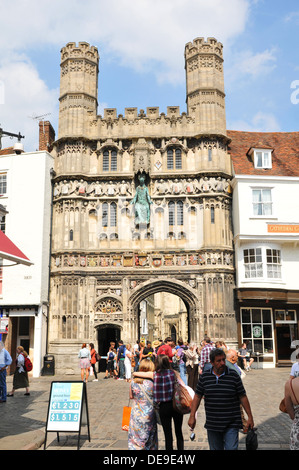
(257, 329)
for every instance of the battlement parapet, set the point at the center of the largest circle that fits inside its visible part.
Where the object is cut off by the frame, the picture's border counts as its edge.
(83, 50)
(202, 46)
(152, 112)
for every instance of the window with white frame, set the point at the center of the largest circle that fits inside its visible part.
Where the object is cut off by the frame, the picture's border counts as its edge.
(257, 329)
(262, 159)
(273, 264)
(3, 184)
(262, 201)
(253, 263)
(262, 263)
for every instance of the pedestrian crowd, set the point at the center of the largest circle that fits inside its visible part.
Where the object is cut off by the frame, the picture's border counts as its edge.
(211, 373)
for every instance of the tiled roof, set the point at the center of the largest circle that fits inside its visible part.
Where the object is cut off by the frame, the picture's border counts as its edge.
(285, 155)
(7, 151)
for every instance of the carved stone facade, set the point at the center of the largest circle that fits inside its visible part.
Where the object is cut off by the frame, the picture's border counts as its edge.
(103, 265)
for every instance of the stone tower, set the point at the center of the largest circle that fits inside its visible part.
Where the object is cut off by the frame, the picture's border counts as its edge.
(205, 85)
(78, 88)
(104, 264)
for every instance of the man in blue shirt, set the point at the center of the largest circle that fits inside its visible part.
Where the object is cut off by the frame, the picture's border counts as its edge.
(5, 361)
(223, 392)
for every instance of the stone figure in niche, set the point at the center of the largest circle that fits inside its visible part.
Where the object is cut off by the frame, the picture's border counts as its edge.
(142, 202)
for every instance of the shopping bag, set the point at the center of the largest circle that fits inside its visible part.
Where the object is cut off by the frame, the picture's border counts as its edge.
(126, 418)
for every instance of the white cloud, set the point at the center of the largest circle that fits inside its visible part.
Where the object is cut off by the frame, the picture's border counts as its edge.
(24, 95)
(248, 65)
(293, 16)
(261, 122)
(147, 36)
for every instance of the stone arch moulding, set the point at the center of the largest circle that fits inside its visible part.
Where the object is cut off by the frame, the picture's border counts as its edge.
(175, 287)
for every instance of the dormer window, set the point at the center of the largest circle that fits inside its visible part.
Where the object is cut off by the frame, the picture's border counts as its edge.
(262, 158)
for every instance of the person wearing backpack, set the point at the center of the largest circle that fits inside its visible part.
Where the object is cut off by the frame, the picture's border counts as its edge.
(20, 378)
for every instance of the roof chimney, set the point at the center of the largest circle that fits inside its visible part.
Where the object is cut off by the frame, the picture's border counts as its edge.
(46, 135)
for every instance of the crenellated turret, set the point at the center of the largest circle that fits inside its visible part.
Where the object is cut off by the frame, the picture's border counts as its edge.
(205, 85)
(78, 88)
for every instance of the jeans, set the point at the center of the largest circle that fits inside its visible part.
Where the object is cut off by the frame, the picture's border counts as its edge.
(122, 371)
(167, 413)
(183, 370)
(3, 389)
(227, 440)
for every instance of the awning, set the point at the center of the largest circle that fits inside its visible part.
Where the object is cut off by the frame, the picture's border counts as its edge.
(9, 251)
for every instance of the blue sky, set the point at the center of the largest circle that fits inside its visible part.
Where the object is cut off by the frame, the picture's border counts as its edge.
(141, 46)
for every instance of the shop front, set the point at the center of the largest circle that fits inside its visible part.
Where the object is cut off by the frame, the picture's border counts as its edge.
(269, 327)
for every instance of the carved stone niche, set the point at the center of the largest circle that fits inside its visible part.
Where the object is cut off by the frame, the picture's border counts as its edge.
(142, 152)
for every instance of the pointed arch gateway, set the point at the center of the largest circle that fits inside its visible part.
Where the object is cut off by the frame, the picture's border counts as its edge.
(175, 287)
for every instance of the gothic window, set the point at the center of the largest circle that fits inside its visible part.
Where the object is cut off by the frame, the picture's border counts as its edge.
(105, 207)
(171, 213)
(212, 214)
(109, 214)
(174, 158)
(113, 215)
(110, 160)
(180, 213)
(176, 213)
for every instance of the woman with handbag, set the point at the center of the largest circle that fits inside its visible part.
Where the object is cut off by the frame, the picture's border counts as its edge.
(143, 433)
(292, 408)
(164, 381)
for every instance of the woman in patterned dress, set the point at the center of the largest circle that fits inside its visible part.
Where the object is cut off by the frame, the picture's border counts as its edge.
(143, 433)
(292, 405)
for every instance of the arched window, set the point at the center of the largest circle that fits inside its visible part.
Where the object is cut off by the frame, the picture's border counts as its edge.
(110, 160)
(174, 158)
(113, 215)
(180, 213)
(109, 214)
(105, 214)
(171, 213)
(176, 213)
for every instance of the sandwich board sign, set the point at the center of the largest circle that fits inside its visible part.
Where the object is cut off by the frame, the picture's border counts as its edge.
(67, 409)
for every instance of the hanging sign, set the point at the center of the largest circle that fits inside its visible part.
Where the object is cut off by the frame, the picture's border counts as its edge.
(68, 408)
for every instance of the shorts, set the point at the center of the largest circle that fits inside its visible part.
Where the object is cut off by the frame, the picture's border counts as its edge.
(84, 363)
(110, 366)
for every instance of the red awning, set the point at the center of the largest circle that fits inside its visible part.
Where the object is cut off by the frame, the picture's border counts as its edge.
(8, 250)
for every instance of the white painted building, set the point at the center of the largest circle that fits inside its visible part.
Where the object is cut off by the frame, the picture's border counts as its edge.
(26, 194)
(266, 239)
